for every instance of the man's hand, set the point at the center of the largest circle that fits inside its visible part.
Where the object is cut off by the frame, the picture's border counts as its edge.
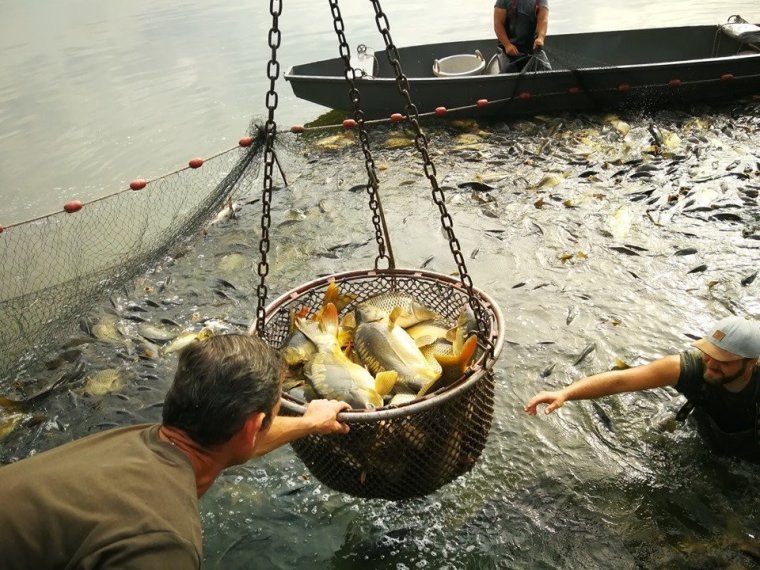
(323, 416)
(538, 44)
(511, 49)
(554, 400)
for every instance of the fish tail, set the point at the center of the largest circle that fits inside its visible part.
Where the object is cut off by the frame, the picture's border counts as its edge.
(329, 320)
(331, 293)
(385, 381)
(453, 365)
(461, 358)
(310, 329)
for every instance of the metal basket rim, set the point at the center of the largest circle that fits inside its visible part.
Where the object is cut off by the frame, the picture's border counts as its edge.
(293, 406)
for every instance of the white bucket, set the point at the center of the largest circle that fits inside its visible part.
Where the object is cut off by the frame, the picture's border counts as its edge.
(459, 65)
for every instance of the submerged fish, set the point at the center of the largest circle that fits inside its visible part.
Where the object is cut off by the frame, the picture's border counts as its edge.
(186, 338)
(103, 382)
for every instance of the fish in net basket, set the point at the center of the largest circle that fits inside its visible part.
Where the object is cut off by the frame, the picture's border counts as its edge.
(412, 449)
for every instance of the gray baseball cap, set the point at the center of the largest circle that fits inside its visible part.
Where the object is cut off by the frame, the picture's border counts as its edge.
(732, 338)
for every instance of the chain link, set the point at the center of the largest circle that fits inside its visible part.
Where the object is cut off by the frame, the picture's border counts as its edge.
(270, 131)
(421, 143)
(385, 251)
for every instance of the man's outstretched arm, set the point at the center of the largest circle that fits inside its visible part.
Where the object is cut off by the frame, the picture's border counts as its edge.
(662, 372)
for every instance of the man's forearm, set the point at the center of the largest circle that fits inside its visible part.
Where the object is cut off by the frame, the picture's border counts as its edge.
(661, 372)
(596, 386)
(500, 27)
(542, 25)
(282, 431)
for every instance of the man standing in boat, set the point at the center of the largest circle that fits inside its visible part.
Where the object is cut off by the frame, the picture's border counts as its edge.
(721, 382)
(520, 27)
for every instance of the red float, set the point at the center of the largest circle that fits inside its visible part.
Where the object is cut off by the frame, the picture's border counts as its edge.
(73, 206)
(623, 87)
(138, 184)
(195, 163)
(349, 124)
(574, 90)
(524, 96)
(246, 141)
(297, 129)
(441, 111)
(482, 103)
(675, 82)
(397, 117)
(2, 229)
(727, 76)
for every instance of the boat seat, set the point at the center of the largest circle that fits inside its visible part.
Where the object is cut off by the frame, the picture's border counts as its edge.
(745, 33)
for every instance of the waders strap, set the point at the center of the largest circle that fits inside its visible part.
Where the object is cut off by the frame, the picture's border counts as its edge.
(684, 412)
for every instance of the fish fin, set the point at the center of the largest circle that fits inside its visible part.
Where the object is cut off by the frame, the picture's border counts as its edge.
(334, 296)
(385, 381)
(425, 340)
(455, 365)
(395, 314)
(329, 319)
(331, 294)
(344, 338)
(309, 328)
(348, 321)
(451, 334)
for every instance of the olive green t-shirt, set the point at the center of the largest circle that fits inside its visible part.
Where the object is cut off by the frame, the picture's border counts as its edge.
(731, 411)
(118, 499)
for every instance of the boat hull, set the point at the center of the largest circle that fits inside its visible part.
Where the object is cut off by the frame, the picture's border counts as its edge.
(702, 69)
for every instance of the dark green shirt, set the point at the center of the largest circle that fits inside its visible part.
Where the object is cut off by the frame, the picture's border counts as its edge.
(731, 411)
(118, 499)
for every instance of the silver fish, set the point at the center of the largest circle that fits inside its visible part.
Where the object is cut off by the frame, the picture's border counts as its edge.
(330, 371)
(385, 346)
(412, 312)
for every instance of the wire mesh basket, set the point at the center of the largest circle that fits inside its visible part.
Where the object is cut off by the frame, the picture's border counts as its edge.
(410, 450)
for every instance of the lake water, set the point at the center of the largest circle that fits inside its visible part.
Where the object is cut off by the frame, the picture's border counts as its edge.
(101, 94)
(95, 94)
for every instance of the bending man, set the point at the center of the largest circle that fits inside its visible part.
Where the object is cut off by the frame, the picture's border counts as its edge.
(721, 382)
(128, 498)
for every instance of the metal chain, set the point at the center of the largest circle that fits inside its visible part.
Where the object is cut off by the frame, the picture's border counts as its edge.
(378, 218)
(421, 142)
(270, 131)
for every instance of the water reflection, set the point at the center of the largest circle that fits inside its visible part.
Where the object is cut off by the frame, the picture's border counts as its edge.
(585, 235)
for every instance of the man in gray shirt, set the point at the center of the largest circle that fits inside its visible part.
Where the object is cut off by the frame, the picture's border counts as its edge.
(520, 27)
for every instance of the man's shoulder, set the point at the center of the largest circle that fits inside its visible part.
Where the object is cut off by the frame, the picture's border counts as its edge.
(690, 377)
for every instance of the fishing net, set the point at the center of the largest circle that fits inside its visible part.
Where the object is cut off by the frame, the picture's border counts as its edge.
(412, 449)
(57, 266)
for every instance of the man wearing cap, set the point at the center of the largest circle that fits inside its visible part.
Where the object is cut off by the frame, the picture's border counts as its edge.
(721, 382)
